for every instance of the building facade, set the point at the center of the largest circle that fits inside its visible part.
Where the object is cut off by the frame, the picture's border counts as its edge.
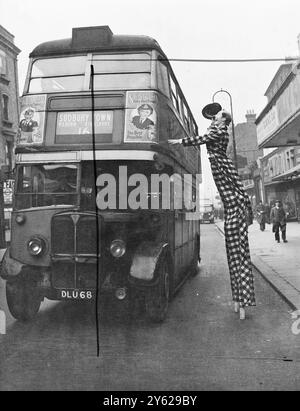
(9, 97)
(278, 133)
(9, 118)
(247, 155)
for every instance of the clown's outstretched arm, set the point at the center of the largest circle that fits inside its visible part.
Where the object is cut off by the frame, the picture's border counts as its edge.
(213, 136)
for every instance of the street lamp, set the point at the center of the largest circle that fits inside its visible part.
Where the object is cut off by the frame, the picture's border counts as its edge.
(232, 122)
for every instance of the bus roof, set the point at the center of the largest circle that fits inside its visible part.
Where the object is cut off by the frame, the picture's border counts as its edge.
(93, 39)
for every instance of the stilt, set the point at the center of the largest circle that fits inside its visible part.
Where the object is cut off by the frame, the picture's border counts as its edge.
(242, 313)
(236, 307)
(2, 322)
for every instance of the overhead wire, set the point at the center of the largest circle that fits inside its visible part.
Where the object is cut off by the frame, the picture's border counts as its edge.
(200, 60)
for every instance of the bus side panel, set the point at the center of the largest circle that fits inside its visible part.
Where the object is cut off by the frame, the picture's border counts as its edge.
(178, 243)
(170, 231)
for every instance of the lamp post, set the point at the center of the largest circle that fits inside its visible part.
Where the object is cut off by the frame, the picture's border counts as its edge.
(232, 122)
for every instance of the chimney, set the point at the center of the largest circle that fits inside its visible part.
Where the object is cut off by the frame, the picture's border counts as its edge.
(250, 116)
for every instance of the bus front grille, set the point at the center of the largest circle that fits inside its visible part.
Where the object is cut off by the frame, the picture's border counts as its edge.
(74, 250)
(74, 234)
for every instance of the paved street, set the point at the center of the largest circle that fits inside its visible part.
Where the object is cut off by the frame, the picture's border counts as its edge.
(201, 346)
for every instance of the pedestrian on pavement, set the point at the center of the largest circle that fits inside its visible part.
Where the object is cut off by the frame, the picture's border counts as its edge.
(268, 212)
(278, 219)
(237, 207)
(261, 215)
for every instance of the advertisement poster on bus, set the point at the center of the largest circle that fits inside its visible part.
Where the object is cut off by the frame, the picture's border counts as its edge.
(141, 117)
(32, 119)
(76, 126)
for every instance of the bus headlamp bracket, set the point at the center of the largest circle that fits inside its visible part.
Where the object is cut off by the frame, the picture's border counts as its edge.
(10, 267)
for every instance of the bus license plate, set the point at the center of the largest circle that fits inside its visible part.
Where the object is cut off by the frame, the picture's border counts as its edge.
(76, 294)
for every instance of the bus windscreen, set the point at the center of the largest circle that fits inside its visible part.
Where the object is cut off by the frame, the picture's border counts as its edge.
(42, 185)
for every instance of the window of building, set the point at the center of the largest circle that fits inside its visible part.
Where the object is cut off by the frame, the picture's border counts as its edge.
(3, 63)
(292, 157)
(8, 154)
(5, 101)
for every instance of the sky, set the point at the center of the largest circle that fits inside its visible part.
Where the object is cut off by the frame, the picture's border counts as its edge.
(200, 29)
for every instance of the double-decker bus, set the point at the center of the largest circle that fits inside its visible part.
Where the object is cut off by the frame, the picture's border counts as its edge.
(96, 112)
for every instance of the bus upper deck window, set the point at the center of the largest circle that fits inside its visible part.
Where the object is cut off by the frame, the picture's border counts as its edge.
(122, 63)
(186, 116)
(56, 84)
(58, 74)
(126, 81)
(163, 78)
(61, 66)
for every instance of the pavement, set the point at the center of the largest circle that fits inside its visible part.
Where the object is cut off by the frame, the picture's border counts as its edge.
(278, 263)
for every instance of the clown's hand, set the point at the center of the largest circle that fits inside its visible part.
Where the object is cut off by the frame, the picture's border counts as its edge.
(175, 141)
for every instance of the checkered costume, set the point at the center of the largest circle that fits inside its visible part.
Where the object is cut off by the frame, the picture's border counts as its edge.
(237, 209)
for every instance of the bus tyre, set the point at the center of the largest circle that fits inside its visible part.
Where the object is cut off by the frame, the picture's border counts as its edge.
(157, 299)
(23, 299)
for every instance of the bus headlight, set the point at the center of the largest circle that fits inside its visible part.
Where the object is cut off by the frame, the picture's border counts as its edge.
(117, 248)
(36, 246)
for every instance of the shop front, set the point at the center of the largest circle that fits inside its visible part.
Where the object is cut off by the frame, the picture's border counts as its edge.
(282, 180)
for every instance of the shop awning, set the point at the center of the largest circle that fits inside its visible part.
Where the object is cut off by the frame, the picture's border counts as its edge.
(292, 172)
(288, 134)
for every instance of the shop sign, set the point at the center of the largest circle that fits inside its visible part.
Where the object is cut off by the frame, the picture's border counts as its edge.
(268, 125)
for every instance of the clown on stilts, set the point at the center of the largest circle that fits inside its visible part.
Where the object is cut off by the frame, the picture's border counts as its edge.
(237, 207)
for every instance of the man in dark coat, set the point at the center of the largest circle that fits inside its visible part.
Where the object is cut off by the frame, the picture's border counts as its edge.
(142, 121)
(278, 219)
(261, 215)
(28, 124)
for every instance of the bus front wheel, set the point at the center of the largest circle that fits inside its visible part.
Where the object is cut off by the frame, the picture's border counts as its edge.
(157, 299)
(23, 299)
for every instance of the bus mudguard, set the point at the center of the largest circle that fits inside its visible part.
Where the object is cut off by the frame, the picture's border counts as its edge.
(10, 267)
(145, 260)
